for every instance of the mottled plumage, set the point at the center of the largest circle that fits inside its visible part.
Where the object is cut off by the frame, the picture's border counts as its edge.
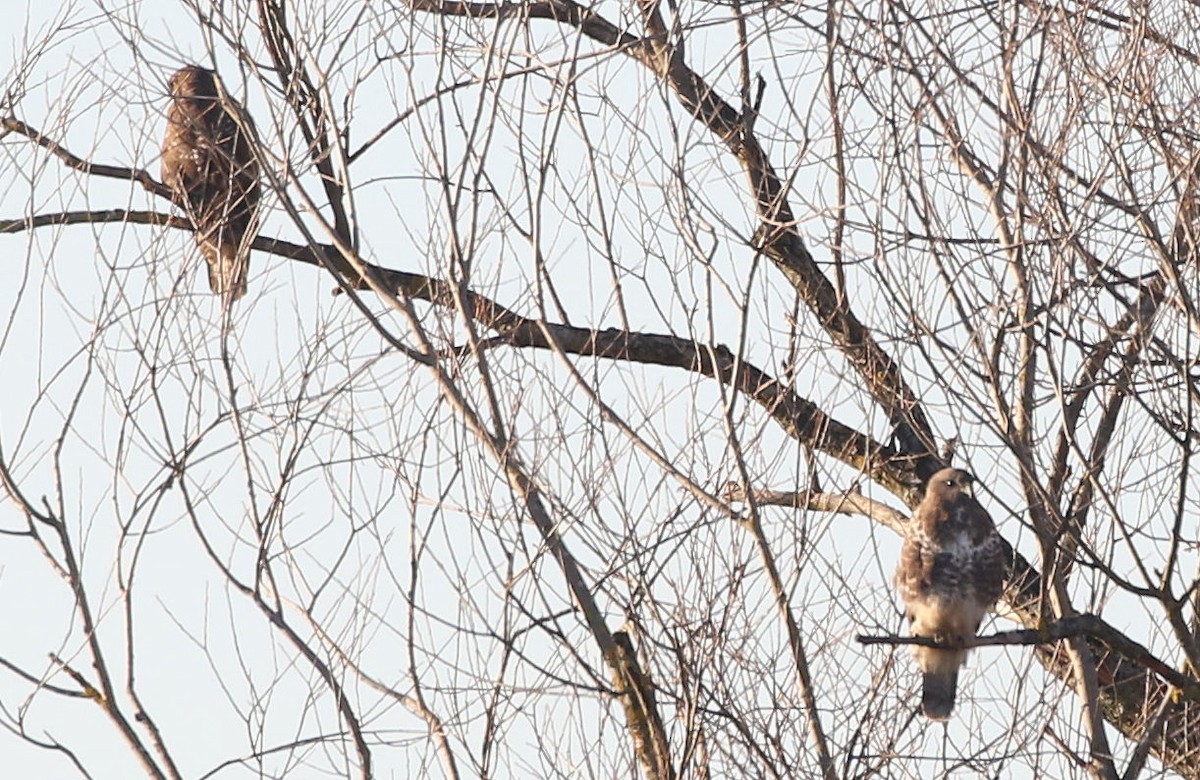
(952, 570)
(208, 162)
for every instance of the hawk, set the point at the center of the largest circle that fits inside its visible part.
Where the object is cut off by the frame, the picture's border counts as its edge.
(952, 570)
(208, 162)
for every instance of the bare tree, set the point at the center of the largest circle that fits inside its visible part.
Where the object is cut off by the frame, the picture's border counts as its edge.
(649, 322)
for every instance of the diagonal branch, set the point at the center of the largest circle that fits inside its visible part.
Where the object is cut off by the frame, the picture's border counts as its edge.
(309, 107)
(9, 124)
(641, 709)
(799, 417)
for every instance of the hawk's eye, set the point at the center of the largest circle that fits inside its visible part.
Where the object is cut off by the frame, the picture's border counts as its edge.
(949, 483)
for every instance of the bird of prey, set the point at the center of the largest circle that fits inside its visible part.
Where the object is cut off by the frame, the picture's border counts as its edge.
(208, 162)
(952, 570)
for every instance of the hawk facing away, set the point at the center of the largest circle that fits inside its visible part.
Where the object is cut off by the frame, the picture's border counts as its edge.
(952, 570)
(208, 162)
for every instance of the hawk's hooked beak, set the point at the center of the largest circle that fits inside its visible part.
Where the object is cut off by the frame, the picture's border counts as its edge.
(969, 489)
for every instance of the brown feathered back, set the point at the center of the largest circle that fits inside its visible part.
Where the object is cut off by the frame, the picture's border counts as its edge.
(209, 164)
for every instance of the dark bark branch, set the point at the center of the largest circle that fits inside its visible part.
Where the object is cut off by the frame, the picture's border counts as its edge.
(13, 125)
(799, 417)
(127, 216)
(802, 419)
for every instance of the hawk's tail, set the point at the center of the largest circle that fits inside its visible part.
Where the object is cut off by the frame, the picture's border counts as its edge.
(227, 267)
(940, 680)
(937, 698)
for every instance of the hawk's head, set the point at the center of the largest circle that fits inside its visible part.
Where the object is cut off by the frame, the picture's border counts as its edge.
(949, 485)
(193, 81)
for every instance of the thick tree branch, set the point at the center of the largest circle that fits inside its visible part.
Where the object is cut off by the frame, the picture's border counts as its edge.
(800, 418)
(13, 125)
(641, 709)
(127, 216)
